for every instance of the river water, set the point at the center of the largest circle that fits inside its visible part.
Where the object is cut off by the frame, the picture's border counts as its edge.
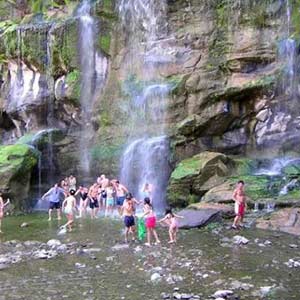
(203, 261)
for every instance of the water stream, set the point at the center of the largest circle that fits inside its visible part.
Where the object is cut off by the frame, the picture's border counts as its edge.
(145, 160)
(94, 67)
(202, 262)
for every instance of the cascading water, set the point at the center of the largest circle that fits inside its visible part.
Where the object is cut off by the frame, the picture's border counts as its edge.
(93, 74)
(50, 116)
(145, 159)
(287, 54)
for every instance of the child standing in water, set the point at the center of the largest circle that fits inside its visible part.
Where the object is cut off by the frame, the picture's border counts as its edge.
(150, 221)
(69, 206)
(171, 220)
(2, 205)
(109, 199)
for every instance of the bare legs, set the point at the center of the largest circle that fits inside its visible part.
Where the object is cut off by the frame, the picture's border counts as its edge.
(58, 214)
(129, 230)
(70, 222)
(150, 232)
(172, 235)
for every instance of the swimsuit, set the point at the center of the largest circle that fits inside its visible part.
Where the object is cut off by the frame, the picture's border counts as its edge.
(120, 200)
(94, 203)
(83, 196)
(110, 201)
(129, 221)
(150, 222)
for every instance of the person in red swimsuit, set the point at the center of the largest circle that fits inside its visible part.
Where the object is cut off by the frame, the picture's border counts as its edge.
(239, 197)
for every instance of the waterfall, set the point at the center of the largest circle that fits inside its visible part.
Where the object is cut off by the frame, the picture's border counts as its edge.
(50, 111)
(94, 67)
(145, 160)
(275, 166)
(287, 54)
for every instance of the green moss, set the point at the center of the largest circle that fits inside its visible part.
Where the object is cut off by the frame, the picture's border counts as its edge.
(187, 167)
(105, 119)
(292, 195)
(105, 43)
(20, 157)
(106, 151)
(258, 187)
(292, 170)
(244, 166)
(73, 82)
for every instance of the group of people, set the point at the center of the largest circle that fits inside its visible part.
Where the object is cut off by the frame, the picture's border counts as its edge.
(107, 195)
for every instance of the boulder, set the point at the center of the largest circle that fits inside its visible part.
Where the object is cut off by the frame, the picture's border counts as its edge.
(198, 218)
(196, 175)
(220, 194)
(285, 220)
(226, 211)
(16, 165)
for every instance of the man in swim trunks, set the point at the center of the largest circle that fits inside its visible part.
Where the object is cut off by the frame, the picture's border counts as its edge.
(239, 197)
(104, 182)
(56, 194)
(128, 214)
(121, 191)
(93, 197)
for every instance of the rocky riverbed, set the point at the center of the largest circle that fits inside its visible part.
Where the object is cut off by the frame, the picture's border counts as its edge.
(93, 263)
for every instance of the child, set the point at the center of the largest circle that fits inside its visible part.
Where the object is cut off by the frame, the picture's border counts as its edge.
(150, 221)
(2, 205)
(171, 220)
(109, 199)
(69, 205)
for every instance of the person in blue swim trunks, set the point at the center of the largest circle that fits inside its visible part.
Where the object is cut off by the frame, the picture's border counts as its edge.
(121, 191)
(128, 210)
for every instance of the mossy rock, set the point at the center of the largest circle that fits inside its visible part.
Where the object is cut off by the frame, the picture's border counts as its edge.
(292, 170)
(245, 166)
(194, 176)
(256, 187)
(16, 165)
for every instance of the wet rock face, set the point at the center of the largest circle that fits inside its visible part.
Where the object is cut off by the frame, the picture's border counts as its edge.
(227, 97)
(16, 165)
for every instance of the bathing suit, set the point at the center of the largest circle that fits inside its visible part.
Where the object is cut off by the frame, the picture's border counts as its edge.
(174, 223)
(55, 205)
(129, 221)
(120, 200)
(150, 222)
(241, 209)
(110, 201)
(83, 196)
(94, 203)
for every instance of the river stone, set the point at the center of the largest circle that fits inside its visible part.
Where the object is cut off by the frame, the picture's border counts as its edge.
(285, 220)
(240, 240)
(222, 294)
(119, 247)
(3, 266)
(198, 218)
(53, 243)
(155, 277)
